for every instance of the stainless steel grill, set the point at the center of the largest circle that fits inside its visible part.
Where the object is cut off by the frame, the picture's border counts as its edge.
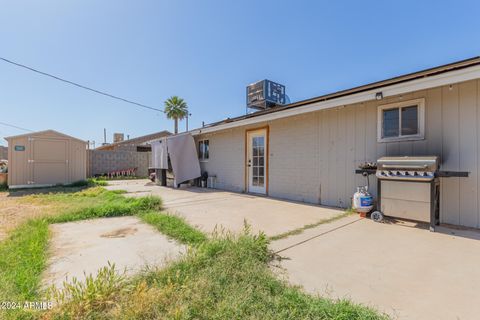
(407, 168)
(408, 188)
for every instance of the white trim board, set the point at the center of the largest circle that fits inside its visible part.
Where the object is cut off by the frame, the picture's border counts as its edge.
(447, 78)
(420, 103)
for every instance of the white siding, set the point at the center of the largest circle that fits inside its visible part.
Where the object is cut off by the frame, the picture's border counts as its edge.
(313, 156)
(226, 158)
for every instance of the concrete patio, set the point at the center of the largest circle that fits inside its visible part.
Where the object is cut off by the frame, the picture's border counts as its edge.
(81, 248)
(209, 209)
(401, 269)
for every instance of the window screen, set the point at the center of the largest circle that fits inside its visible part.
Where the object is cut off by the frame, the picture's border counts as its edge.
(391, 123)
(203, 149)
(206, 152)
(409, 120)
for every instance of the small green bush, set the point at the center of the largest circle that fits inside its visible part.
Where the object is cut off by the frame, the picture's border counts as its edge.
(93, 296)
(90, 182)
(174, 226)
(114, 205)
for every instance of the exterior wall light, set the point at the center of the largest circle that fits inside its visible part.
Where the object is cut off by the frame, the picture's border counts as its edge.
(379, 95)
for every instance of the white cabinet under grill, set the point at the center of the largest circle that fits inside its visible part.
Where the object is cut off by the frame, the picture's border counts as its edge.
(406, 200)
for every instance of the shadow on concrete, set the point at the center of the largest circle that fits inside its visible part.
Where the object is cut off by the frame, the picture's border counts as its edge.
(451, 230)
(198, 190)
(456, 231)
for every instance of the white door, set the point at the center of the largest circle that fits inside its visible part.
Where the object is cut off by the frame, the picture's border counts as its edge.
(257, 161)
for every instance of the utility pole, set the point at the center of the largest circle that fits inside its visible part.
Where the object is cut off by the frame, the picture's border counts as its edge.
(188, 115)
(104, 135)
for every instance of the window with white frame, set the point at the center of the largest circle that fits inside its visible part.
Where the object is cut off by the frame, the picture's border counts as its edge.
(403, 120)
(203, 150)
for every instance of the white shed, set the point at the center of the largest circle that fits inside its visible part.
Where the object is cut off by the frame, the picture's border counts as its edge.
(45, 158)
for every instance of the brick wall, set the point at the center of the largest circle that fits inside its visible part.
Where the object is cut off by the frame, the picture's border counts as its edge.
(104, 161)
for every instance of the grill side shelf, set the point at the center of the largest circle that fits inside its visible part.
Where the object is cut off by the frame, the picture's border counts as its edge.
(368, 171)
(451, 174)
(440, 174)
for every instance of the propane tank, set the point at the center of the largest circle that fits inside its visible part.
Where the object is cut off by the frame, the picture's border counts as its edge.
(362, 200)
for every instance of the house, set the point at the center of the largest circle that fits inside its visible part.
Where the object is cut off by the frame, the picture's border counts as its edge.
(135, 144)
(308, 150)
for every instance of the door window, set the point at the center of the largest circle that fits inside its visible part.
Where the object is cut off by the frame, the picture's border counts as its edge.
(258, 160)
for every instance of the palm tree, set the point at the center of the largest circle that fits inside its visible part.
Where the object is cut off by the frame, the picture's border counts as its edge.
(176, 108)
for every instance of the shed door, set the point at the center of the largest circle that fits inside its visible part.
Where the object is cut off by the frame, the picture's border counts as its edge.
(49, 161)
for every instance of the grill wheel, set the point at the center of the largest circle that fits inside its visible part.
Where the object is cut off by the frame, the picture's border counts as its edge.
(376, 216)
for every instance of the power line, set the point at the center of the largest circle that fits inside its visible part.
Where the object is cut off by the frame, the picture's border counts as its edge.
(16, 127)
(80, 85)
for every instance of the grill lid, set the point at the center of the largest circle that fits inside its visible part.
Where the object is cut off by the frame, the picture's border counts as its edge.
(427, 163)
(407, 168)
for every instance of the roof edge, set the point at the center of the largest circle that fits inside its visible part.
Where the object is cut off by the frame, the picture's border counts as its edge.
(44, 131)
(464, 70)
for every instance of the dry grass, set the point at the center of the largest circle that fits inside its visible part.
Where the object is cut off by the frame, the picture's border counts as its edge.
(23, 252)
(225, 277)
(15, 211)
(20, 206)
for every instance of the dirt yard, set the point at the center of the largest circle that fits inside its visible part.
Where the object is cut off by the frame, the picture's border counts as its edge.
(19, 206)
(14, 210)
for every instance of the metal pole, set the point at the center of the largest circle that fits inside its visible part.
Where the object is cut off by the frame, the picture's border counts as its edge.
(188, 114)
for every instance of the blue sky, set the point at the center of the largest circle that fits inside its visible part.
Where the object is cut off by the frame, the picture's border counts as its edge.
(207, 52)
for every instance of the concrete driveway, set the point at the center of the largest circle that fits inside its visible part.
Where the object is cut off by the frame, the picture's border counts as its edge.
(405, 271)
(209, 209)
